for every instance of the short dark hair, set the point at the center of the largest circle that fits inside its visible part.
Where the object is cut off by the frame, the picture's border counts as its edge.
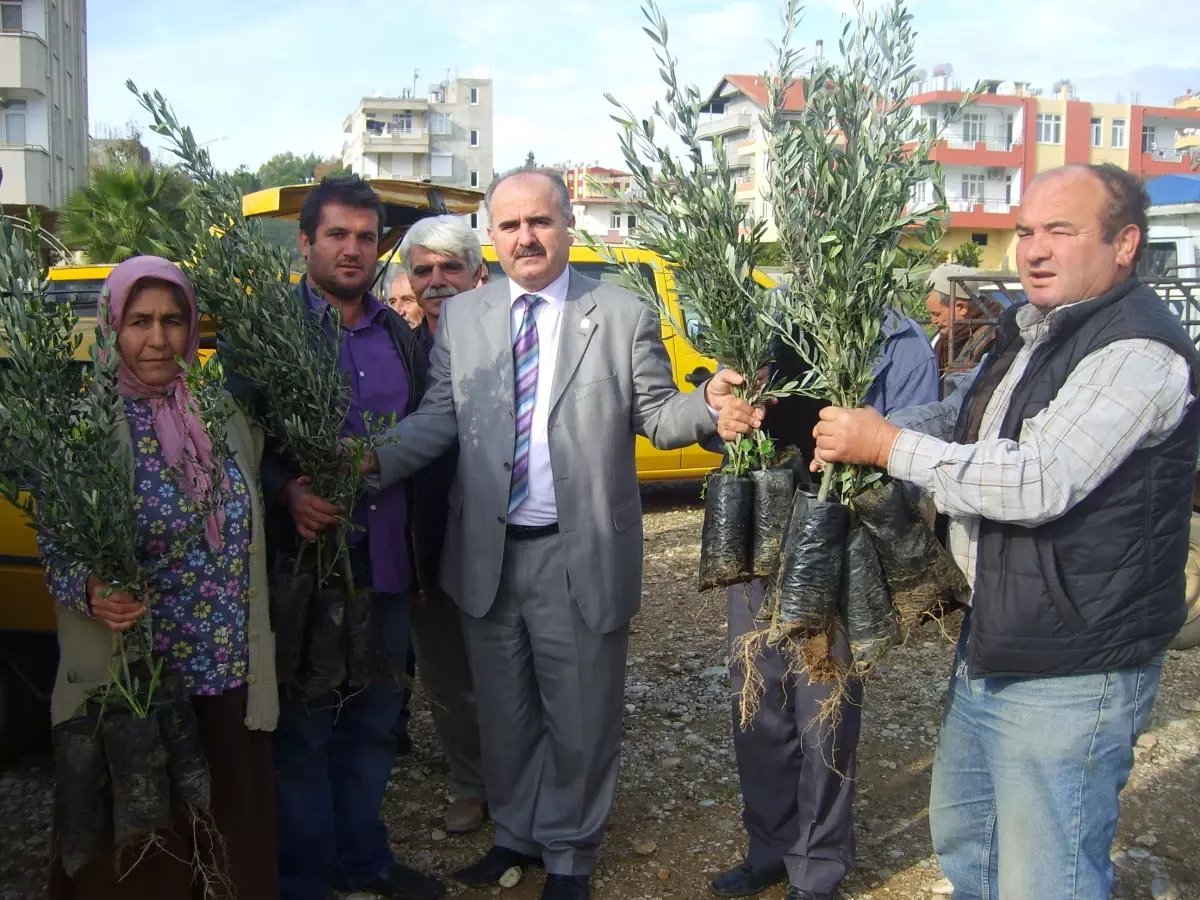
(1127, 204)
(345, 190)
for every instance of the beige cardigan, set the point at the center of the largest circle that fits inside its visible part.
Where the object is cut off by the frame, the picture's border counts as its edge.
(86, 645)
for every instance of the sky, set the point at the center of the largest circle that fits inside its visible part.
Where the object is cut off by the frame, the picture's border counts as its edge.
(258, 77)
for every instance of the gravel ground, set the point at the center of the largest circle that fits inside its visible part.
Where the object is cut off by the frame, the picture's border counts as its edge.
(677, 819)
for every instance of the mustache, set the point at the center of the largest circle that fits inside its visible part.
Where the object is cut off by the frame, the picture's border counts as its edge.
(534, 250)
(435, 292)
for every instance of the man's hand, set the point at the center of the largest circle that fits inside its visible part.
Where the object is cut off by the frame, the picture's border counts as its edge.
(737, 417)
(718, 390)
(311, 514)
(858, 436)
(116, 609)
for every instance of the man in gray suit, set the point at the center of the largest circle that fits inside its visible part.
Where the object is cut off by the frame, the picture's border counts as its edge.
(544, 380)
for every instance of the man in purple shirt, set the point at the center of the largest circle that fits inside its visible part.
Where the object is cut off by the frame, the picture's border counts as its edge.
(334, 755)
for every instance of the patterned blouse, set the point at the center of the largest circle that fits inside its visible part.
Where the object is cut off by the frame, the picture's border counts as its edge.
(199, 603)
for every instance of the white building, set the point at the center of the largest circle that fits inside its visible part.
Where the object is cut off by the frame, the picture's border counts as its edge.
(43, 100)
(444, 137)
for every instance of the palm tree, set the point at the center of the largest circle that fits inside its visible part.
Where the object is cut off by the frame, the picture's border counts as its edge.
(125, 210)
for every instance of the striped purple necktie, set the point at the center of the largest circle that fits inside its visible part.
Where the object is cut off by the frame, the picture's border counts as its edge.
(525, 365)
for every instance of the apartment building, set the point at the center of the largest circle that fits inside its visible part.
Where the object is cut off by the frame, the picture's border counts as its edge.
(600, 215)
(444, 137)
(733, 113)
(989, 152)
(43, 101)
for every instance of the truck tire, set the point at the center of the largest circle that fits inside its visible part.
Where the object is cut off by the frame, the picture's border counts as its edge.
(22, 716)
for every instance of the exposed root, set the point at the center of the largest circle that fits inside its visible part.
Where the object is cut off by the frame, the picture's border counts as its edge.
(153, 842)
(210, 858)
(745, 653)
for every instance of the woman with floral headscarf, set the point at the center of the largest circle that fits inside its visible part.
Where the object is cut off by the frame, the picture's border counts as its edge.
(208, 609)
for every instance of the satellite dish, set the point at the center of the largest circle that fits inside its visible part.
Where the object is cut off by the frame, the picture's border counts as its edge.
(947, 69)
(939, 70)
(920, 75)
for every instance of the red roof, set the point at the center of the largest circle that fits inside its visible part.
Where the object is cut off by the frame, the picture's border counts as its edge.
(756, 89)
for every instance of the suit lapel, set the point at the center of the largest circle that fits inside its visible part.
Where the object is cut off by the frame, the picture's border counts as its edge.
(497, 325)
(574, 334)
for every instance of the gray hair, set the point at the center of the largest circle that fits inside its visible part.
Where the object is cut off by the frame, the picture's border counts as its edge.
(447, 235)
(554, 177)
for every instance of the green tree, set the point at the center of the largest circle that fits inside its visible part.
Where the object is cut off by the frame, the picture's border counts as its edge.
(530, 160)
(124, 211)
(969, 254)
(248, 182)
(283, 169)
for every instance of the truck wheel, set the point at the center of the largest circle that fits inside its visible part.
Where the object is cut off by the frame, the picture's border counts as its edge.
(22, 716)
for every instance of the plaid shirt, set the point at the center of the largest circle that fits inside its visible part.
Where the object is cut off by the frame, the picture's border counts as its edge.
(1128, 395)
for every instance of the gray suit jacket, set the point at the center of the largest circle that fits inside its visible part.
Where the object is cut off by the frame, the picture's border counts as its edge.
(612, 382)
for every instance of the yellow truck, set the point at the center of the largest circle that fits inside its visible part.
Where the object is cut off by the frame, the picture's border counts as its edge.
(28, 651)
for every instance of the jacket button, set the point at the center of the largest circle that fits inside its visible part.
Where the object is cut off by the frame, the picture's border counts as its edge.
(248, 722)
(253, 592)
(508, 467)
(250, 679)
(500, 519)
(254, 635)
(253, 548)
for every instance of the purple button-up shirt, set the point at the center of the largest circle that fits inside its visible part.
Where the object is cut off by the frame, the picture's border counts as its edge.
(378, 385)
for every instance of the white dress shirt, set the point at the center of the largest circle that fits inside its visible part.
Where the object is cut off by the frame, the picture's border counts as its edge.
(539, 507)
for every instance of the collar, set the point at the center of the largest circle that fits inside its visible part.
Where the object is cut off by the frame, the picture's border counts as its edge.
(315, 300)
(555, 293)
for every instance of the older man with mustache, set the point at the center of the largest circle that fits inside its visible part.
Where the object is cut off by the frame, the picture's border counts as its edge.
(441, 257)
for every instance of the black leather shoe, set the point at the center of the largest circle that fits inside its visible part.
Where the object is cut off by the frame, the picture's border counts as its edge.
(801, 894)
(402, 883)
(566, 887)
(487, 871)
(746, 881)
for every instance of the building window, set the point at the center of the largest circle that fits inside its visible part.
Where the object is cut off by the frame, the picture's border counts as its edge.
(972, 186)
(1049, 128)
(10, 16)
(1008, 184)
(440, 123)
(1149, 138)
(474, 137)
(631, 222)
(402, 122)
(13, 122)
(1097, 132)
(474, 96)
(474, 179)
(475, 221)
(1118, 134)
(973, 128)
(980, 238)
(614, 221)
(441, 165)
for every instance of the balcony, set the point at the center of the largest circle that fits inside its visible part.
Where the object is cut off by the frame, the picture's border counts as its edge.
(987, 148)
(26, 175)
(396, 142)
(976, 212)
(720, 125)
(23, 61)
(1173, 161)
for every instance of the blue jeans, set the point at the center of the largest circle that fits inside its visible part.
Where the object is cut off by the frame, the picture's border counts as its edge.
(1027, 779)
(332, 764)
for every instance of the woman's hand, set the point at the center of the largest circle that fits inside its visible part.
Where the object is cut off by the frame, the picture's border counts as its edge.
(116, 609)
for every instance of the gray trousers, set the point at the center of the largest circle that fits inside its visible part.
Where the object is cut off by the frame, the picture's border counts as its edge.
(798, 807)
(445, 673)
(551, 696)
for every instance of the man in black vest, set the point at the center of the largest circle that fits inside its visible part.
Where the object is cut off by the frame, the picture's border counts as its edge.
(1066, 471)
